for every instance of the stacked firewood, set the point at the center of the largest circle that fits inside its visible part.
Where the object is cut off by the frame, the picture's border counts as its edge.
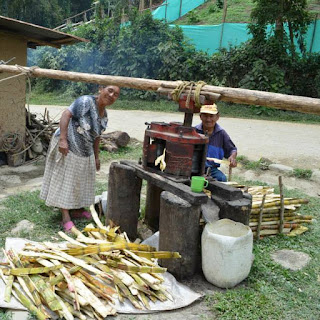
(85, 278)
(38, 134)
(265, 213)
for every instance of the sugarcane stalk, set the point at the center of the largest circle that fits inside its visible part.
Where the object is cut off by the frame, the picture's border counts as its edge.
(46, 293)
(260, 216)
(60, 278)
(94, 289)
(70, 240)
(8, 289)
(103, 287)
(25, 301)
(157, 254)
(64, 312)
(92, 299)
(28, 304)
(69, 296)
(9, 257)
(134, 269)
(286, 202)
(144, 300)
(281, 205)
(107, 247)
(126, 292)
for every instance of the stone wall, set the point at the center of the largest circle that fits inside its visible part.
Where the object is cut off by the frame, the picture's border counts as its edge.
(13, 91)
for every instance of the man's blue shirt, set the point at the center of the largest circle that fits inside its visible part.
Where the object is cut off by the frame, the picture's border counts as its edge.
(220, 145)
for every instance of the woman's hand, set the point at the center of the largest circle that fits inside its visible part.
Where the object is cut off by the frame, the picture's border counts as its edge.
(98, 164)
(63, 146)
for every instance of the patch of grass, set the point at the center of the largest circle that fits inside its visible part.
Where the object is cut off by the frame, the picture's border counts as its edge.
(238, 12)
(212, 11)
(302, 173)
(270, 291)
(261, 164)
(133, 151)
(50, 98)
(5, 315)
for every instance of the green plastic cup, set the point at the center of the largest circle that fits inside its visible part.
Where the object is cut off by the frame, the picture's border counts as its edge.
(198, 183)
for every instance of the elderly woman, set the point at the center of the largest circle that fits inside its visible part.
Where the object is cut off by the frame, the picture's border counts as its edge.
(73, 156)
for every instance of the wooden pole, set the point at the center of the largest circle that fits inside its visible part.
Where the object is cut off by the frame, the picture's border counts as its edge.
(235, 95)
(225, 8)
(230, 173)
(180, 9)
(281, 205)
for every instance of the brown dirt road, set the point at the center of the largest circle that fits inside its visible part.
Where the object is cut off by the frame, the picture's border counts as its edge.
(293, 144)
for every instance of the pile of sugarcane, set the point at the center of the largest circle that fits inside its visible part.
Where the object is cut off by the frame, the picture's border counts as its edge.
(266, 210)
(83, 277)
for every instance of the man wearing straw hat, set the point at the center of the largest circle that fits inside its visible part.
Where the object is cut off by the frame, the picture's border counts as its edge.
(220, 145)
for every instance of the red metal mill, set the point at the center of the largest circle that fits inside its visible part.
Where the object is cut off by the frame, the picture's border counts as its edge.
(186, 150)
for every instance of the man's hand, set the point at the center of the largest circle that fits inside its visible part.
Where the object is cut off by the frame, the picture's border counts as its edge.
(63, 146)
(98, 164)
(233, 160)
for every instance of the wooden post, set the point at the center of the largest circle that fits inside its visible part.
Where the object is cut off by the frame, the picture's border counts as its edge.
(123, 205)
(153, 206)
(179, 231)
(225, 8)
(166, 10)
(281, 205)
(230, 173)
(180, 9)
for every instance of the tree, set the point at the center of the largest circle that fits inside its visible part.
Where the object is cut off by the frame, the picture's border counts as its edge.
(42, 12)
(281, 13)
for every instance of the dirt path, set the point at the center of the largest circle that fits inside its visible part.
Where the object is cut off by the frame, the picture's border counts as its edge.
(293, 144)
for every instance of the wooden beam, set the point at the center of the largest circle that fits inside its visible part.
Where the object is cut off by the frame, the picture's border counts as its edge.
(235, 95)
(43, 43)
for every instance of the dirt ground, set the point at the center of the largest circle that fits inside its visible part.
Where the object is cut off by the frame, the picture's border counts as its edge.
(293, 144)
(296, 145)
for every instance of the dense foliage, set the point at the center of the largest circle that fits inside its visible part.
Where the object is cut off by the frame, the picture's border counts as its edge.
(42, 12)
(150, 48)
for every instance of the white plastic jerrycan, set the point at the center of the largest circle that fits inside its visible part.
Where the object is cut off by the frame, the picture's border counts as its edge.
(226, 252)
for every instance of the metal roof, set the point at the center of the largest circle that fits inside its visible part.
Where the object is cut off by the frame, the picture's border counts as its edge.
(37, 35)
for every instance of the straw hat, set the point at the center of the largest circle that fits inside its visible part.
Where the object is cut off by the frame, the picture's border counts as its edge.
(211, 109)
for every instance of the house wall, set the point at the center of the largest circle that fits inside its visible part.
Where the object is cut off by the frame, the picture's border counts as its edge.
(13, 91)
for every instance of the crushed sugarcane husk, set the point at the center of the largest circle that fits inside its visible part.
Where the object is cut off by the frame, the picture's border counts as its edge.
(82, 280)
(270, 224)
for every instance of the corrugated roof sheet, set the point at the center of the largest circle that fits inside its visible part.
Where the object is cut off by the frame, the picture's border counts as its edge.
(37, 35)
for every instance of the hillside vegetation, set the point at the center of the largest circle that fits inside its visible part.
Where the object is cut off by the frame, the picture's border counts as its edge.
(238, 12)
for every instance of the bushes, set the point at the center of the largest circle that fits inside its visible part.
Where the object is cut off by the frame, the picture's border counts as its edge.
(149, 48)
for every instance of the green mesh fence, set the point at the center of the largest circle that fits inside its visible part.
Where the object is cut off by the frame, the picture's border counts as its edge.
(172, 10)
(212, 37)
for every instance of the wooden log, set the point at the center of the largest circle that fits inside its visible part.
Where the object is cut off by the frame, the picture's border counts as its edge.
(119, 137)
(123, 204)
(153, 206)
(236, 95)
(179, 231)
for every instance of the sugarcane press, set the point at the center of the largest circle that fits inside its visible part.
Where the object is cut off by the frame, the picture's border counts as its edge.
(184, 149)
